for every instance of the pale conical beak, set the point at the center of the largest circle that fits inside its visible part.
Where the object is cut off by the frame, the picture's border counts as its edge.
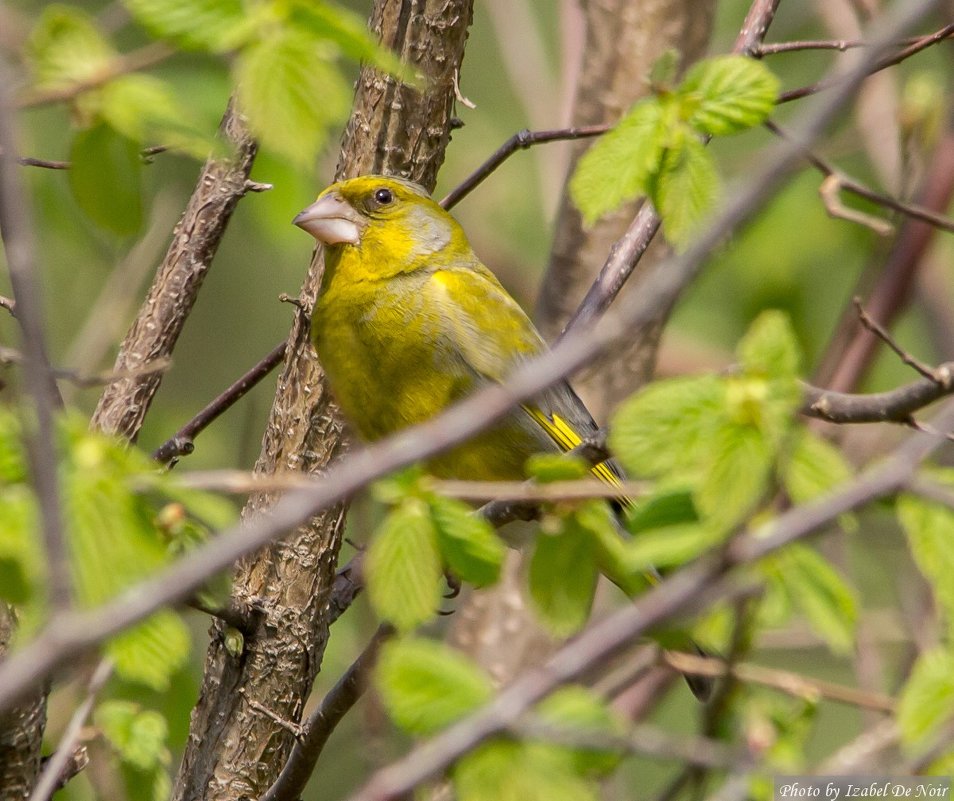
(331, 221)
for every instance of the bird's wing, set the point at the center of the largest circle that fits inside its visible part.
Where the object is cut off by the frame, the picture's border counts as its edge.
(492, 335)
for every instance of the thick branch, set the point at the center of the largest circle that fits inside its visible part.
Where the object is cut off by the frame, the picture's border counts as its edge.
(195, 240)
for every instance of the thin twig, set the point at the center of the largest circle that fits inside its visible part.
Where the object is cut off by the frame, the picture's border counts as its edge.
(848, 184)
(18, 242)
(788, 682)
(841, 45)
(324, 719)
(643, 739)
(47, 783)
(148, 56)
(9, 304)
(829, 191)
(914, 48)
(181, 443)
(940, 377)
(12, 356)
(26, 161)
(519, 141)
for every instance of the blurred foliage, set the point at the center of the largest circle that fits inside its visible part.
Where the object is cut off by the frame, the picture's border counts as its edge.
(93, 223)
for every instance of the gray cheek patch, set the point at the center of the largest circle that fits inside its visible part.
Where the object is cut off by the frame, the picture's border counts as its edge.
(431, 233)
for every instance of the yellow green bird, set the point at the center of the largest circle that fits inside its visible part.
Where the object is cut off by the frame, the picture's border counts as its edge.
(408, 320)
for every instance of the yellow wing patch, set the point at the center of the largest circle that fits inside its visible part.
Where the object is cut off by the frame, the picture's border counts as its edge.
(564, 435)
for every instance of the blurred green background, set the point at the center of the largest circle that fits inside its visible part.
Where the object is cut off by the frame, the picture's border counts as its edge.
(794, 257)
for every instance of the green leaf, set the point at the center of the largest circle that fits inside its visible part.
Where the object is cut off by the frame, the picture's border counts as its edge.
(727, 94)
(814, 467)
(152, 651)
(669, 546)
(665, 507)
(550, 467)
(679, 412)
(829, 604)
(927, 699)
(618, 166)
(13, 466)
(139, 736)
(66, 48)
(563, 577)
(291, 94)
(214, 25)
(468, 543)
(403, 567)
(685, 189)
(22, 561)
(576, 708)
(735, 476)
(928, 527)
(106, 179)
(426, 685)
(143, 107)
(770, 348)
(349, 31)
(502, 770)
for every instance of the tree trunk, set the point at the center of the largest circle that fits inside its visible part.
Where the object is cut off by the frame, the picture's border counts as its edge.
(623, 39)
(235, 746)
(21, 729)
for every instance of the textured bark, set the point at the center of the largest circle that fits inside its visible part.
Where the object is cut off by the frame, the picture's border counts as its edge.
(195, 240)
(235, 749)
(623, 39)
(21, 730)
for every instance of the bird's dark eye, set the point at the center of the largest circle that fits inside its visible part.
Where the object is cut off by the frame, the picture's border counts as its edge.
(383, 196)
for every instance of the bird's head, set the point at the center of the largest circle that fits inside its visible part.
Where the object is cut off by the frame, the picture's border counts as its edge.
(390, 218)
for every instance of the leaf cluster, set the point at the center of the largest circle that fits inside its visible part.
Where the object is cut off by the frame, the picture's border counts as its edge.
(658, 148)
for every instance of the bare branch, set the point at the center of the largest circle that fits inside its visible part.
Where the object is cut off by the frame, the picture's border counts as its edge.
(827, 44)
(181, 443)
(153, 335)
(787, 681)
(940, 376)
(49, 779)
(889, 61)
(18, 243)
(148, 56)
(323, 721)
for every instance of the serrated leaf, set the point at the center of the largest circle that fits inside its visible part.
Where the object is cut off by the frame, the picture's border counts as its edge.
(770, 348)
(563, 577)
(685, 189)
(468, 543)
(143, 107)
(403, 567)
(679, 412)
(814, 467)
(577, 708)
(152, 651)
(106, 179)
(139, 736)
(829, 603)
(927, 699)
(735, 476)
(291, 94)
(426, 685)
(618, 166)
(728, 94)
(66, 48)
(928, 526)
(502, 770)
(214, 25)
